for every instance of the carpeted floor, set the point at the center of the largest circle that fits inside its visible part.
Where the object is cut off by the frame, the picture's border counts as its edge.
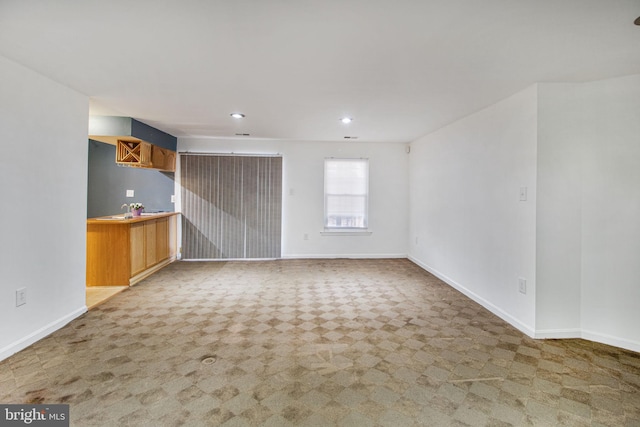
(315, 343)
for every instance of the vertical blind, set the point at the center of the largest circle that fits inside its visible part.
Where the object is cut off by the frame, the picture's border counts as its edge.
(231, 206)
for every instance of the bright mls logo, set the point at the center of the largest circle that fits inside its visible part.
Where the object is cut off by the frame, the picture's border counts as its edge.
(34, 415)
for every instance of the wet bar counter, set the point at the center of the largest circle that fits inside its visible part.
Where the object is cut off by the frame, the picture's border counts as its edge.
(121, 252)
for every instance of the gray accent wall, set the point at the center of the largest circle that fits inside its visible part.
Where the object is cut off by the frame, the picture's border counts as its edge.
(114, 126)
(153, 135)
(108, 182)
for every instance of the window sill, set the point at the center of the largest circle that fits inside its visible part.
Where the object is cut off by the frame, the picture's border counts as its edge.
(348, 232)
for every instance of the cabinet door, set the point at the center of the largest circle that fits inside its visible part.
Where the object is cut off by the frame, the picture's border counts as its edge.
(150, 243)
(170, 161)
(108, 254)
(162, 239)
(157, 157)
(138, 258)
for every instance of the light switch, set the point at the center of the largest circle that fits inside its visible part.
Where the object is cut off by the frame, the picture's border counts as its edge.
(21, 296)
(129, 193)
(523, 194)
(522, 285)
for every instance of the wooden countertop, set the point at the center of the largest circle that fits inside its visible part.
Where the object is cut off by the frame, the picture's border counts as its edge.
(118, 218)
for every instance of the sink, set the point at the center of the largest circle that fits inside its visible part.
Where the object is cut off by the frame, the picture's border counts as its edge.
(119, 217)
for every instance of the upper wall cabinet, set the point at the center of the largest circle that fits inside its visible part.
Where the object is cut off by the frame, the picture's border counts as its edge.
(133, 153)
(163, 159)
(141, 154)
(137, 144)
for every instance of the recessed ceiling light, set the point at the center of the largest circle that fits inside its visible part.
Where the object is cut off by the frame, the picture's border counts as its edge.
(237, 115)
(346, 120)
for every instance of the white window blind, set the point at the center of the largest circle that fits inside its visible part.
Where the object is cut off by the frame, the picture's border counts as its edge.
(346, 193)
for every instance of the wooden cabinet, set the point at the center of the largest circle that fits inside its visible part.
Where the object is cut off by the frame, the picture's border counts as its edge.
(162, 239)
(133, 153)
(142, 154)
(173, 237)
(163, 159)
(150, 250)
(137, 245)
(123, 252)
(108, 255)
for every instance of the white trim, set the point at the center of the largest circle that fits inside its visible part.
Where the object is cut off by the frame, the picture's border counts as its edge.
(339, 256)
(528, 330)
(611, 340)
(346, 232)
(35, 336)
(588, 335)
(569, 333)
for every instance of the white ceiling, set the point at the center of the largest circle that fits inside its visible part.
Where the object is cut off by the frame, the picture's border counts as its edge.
(400, 68)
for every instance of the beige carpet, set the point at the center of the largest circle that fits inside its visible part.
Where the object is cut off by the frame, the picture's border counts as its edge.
(315, 343)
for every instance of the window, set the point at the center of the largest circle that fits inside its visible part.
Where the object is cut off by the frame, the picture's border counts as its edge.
(346, 193)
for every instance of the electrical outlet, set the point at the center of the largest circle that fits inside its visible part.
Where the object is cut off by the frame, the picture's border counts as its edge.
(173, 198)
(21, 296)
(130, 193)
(522, 285)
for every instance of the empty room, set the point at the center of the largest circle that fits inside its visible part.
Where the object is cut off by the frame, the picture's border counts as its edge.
(355, 213)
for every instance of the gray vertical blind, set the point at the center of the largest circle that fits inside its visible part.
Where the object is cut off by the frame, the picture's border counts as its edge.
(231, 206)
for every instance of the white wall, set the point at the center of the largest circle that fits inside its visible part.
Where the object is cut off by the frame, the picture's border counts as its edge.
(303, 194)
(611, 215)
(577, 238)
(560, 144)
(589, 224)
(43, 171)
(467, 223)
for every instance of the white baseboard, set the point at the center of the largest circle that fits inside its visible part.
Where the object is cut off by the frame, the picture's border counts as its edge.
(611, 340)
(516, 323)
(558, 333)
(336, 256)
(25, 342)
(569, 333)
(590, 336)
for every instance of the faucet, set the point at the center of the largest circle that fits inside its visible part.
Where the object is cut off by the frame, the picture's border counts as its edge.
(128, 213)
